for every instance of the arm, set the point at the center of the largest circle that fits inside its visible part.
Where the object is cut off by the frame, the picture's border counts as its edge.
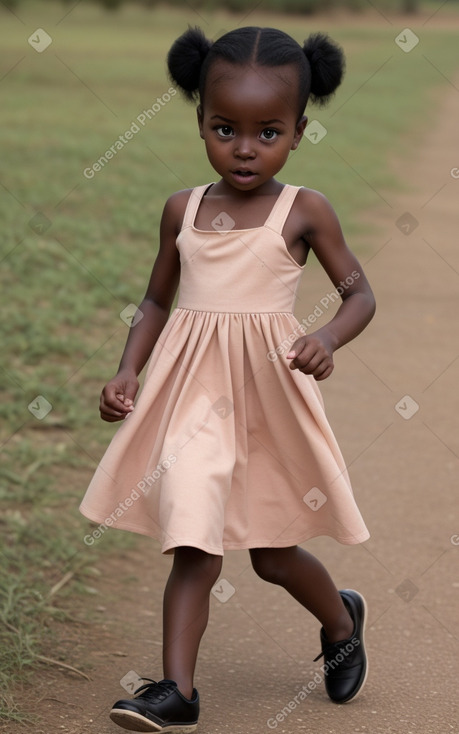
(117, 397)
(313, 354)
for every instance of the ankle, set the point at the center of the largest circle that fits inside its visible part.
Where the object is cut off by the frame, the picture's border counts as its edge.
(342, 630)
(186, 692)
(183, 686)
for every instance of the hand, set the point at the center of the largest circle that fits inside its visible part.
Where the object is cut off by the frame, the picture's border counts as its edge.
(117, 397)
(312, 356)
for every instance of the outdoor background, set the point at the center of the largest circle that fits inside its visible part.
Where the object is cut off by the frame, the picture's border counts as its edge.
(77, 245)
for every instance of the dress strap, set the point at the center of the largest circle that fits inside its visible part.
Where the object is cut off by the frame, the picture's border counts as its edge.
(193, 203)
(281, 208)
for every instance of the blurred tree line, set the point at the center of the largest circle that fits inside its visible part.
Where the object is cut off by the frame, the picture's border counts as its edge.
(289, 6)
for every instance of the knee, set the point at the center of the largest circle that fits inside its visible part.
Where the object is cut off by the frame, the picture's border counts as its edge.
(266, 565)
(197, 563)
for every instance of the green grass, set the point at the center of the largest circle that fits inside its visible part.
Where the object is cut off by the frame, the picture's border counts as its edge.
(63, 288)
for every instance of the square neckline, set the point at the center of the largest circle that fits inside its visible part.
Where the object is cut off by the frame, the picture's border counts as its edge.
(226, 231)
(191, 217)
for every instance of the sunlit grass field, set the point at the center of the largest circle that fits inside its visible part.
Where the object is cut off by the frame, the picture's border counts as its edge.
(77, 249)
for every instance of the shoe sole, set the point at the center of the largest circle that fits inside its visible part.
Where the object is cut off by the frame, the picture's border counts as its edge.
(136, 722)
(365, 612)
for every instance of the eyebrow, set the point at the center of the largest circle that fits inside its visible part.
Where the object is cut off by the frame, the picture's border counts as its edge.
(225, 119)
(260, 122)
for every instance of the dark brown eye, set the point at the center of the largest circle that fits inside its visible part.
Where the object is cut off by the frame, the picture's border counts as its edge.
(225, 131)
(269, 134)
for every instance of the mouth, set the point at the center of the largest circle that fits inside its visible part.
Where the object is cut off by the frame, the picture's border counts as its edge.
(242, 174)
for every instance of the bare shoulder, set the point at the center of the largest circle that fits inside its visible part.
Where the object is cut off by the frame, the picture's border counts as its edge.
(315, 215)
(311, 200)
(174, 209)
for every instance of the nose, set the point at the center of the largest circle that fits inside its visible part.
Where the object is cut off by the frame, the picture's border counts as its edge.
(244, 148)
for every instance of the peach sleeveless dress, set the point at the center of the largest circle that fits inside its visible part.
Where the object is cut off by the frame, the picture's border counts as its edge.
(228, 448)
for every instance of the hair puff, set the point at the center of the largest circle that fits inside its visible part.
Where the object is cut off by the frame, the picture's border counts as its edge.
(327, 63)
(185, 60)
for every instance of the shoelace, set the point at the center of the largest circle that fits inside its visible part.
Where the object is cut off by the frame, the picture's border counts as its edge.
(331, 651)
(323, 653)
(155, 691)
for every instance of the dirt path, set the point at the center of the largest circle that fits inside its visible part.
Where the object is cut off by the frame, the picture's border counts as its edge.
(257, 653)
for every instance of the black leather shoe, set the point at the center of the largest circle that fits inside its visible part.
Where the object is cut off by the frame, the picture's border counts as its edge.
(158, 707)
(345, 665)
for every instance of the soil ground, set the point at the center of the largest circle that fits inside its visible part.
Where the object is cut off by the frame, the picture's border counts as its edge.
(392, 402)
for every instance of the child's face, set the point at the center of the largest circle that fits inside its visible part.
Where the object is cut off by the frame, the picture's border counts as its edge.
(249, 122)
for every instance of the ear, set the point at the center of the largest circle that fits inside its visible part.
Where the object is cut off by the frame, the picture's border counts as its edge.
(200, 120)
(299, 130)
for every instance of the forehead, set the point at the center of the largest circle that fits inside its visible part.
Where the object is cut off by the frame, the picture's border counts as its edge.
(251, 89)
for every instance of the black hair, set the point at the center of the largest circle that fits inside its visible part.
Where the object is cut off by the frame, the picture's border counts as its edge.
(320, 61)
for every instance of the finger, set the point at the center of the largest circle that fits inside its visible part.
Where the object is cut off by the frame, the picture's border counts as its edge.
(322, 375)
(115, 401)
(110, 404)
(126, 402)
(110, 418)
(307, 351)
(317, 364)
(113, 406)
(311, 364)
(306, 356)
(107, 412)
(115, 410)
(130, 391)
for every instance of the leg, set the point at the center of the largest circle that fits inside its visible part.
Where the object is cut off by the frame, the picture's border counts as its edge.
(308, 581)
(186, 612)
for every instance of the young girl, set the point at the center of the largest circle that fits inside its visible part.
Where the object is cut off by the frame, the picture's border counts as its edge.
(228, 445)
